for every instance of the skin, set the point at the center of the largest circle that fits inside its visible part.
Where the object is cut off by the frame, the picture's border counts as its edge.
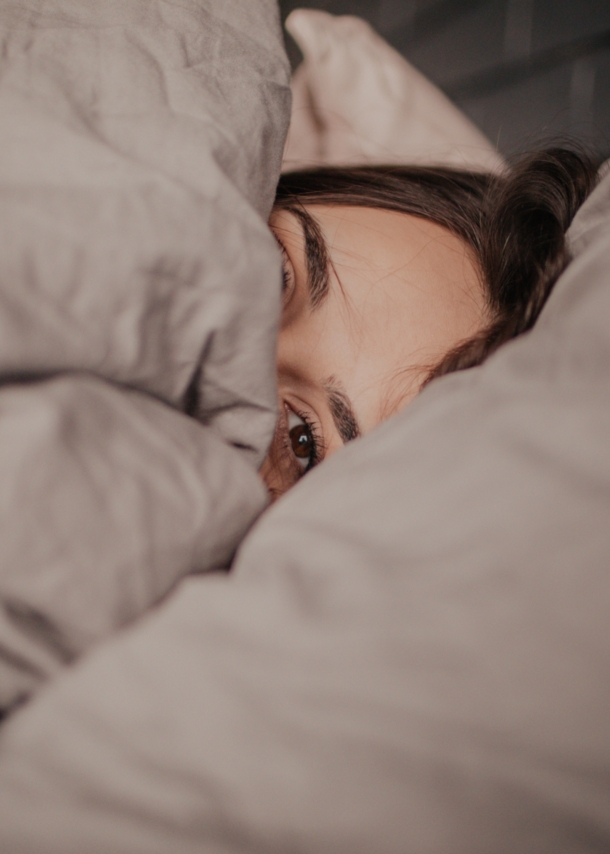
(402, 291)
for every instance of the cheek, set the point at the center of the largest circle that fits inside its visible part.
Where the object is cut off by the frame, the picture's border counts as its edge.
(273, 474)
(278, 470)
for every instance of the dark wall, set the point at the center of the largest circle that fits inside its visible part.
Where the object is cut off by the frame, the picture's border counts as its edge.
(526, 71)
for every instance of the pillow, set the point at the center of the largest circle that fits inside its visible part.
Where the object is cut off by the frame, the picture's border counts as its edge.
(411, 655)
(357, 101)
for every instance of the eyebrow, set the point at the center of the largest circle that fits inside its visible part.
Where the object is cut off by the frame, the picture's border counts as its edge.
(316, 256)
(342, 411)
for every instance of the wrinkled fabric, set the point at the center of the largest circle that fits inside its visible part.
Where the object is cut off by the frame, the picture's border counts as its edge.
(107, 498)
(411, 655)
(140, 145)
(358, 101)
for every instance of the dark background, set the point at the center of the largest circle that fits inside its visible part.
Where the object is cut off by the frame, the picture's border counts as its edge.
(525, 71)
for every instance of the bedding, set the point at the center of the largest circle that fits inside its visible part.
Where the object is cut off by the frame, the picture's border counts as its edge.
(356, 101)
(140, 140)
(141, 143)
(410, 654)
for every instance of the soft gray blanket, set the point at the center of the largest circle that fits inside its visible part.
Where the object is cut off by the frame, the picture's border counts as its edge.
(411, 655)
(140, 144)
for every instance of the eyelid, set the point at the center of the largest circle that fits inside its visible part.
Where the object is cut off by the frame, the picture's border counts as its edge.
(288, 275)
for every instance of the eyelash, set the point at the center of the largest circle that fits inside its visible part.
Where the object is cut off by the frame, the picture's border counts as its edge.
(317, 454)
(285, 278)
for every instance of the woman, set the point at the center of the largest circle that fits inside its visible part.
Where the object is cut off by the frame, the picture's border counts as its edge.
(395, 276)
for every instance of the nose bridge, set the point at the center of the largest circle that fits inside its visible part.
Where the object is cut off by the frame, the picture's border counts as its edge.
(293, 362)
(305, 347)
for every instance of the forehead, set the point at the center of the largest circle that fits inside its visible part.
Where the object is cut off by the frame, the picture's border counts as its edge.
(376, 252)
(375, 236)
(404, 291)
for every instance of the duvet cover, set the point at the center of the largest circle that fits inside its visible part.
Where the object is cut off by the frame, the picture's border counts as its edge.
(139, 289)
(410, 653)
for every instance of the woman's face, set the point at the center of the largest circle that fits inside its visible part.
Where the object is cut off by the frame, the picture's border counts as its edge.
(373, 299)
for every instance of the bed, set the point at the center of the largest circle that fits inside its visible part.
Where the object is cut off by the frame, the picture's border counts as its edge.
(410, 651)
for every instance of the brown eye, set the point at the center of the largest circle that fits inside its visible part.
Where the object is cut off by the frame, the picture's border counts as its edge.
(302, 441)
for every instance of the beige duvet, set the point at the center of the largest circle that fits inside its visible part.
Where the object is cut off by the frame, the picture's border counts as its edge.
(411, 654)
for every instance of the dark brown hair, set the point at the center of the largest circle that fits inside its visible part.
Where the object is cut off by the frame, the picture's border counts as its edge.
(515, 223)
